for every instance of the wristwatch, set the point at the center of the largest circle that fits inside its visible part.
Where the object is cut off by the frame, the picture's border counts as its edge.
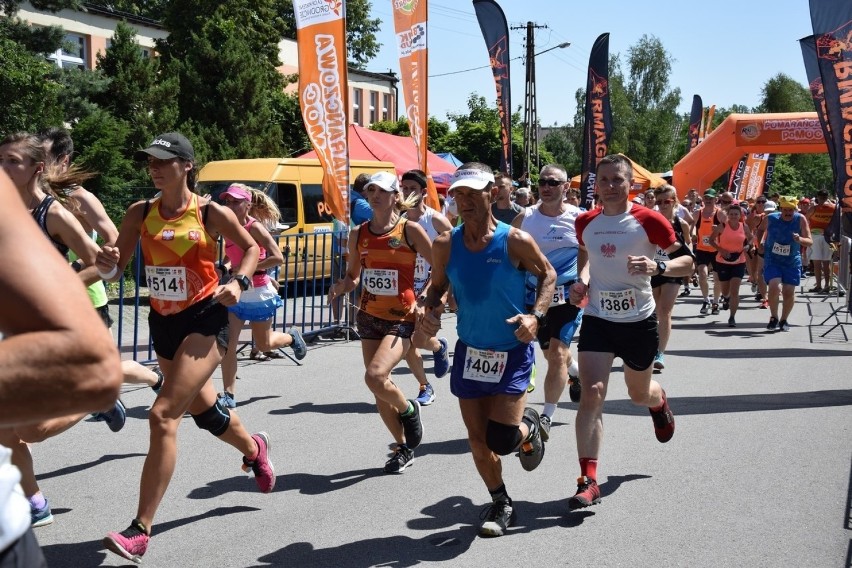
(540, 318)
(661, 267)
(243, 281)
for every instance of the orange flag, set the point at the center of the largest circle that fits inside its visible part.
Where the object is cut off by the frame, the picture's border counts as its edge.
(409, 18)
(323, 88)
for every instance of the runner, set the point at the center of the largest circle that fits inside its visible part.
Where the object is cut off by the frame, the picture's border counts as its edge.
(384, 251)
(706, 219)
(254, 210)
(617, 246)
(665, 287)
(781, 237)
(188, 322)
(756, 216)
(494, 355)
(732, 239)
(551, 225)
(413, 187)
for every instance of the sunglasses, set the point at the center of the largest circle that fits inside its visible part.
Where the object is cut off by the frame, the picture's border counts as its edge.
(550, 182)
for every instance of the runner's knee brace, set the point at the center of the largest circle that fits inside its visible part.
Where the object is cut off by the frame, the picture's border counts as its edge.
(502, 439)
(215, 419)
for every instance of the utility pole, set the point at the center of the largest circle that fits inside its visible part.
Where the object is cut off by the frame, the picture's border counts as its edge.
(531, 161)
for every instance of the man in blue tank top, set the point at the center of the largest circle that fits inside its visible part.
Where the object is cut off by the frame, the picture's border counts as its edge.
(486, 261)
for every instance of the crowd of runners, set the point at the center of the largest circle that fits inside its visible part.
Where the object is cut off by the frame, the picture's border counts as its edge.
(535, 268)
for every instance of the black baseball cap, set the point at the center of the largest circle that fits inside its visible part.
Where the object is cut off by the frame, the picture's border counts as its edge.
(167, 146)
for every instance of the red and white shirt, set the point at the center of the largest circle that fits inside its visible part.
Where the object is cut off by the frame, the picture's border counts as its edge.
(614, 294)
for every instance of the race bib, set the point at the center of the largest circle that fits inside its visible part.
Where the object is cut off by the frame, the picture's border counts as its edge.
(618, 304)
(780, 250)
(167, 282)
(381, 281)
(421, 269)
(484, 365)
(558, 296)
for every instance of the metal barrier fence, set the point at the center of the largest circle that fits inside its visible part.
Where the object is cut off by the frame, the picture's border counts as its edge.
(311, 265)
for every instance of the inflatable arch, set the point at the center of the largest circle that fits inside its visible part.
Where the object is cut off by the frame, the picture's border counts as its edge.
(739, 134)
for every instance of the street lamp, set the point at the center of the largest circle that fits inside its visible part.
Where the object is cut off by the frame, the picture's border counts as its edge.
(530, 114)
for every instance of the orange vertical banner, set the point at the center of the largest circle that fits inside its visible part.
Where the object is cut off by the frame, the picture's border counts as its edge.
(323, 88)
(409, 20)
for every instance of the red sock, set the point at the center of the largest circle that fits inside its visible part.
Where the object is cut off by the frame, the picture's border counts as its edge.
(589, 468)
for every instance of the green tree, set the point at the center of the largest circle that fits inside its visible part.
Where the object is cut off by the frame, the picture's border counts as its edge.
(782, 93)
(36, 39)
(29, 95)
(225, 57)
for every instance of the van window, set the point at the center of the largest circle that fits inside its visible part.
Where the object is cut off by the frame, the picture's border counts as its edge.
(312, 198)
(284, 195)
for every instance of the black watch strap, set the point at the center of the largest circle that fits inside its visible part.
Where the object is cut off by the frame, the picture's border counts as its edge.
(243, 281)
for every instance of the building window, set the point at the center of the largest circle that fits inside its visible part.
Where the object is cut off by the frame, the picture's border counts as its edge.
(74, 57)
(374, 103)
(386, 107)
(356, 106)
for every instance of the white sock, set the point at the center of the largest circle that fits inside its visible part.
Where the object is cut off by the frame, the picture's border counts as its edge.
(574, 368)
(549, 409)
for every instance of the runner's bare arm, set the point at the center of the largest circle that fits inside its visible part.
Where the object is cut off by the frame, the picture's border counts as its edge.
(118, 254)
(94, 215)
(353, 270)
(417, 236)
(439, 284)
(524, 253)
(273, 252)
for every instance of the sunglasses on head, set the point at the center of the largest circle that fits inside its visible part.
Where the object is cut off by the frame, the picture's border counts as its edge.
(550, 182)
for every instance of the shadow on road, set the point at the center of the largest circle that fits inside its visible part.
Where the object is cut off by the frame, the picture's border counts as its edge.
(84, 466)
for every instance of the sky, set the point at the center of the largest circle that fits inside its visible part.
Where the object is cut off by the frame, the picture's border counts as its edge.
(723, 50)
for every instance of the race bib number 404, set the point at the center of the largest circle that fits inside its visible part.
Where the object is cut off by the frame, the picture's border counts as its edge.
(618, 304)
(485, 365)
(381, 281)
(167, 282)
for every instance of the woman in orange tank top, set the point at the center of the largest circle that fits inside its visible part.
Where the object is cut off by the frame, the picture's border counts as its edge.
(382, 256)
(188, 322)
(732, 241)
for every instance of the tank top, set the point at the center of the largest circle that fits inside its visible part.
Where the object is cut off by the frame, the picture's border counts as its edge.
(732, 239)
(663, 256)
(40, 216)
(821, 218)
(260, 278)
(484, 305)
(703, 230)
(779, 247)
(179, 258)
(423, 268)
(556, 237)
(387, 273)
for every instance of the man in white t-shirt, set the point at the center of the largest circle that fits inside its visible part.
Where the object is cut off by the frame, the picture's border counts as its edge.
(616, 261)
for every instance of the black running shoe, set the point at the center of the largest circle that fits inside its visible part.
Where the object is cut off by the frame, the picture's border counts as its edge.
(401, 459)
(498, 516)
(773, 323)
(574, 389)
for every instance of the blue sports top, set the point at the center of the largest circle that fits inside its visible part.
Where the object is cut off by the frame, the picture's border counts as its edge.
(779, 240)
(488, 289)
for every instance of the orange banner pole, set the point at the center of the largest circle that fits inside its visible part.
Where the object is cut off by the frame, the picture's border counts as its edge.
(409, 19)
(323, 88)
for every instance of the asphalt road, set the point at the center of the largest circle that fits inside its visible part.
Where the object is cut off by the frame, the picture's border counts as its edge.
(758, 473)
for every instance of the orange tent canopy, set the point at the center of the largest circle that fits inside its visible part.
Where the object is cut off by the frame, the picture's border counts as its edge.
(643, 180)
(366, 144)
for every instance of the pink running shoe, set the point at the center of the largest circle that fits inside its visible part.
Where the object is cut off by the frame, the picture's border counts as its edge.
(264, 472)
(131, 543)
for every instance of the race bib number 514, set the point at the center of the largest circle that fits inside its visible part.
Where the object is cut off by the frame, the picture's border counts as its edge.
(167, 282)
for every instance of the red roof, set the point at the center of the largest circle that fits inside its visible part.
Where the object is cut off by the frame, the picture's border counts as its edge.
(366, 144)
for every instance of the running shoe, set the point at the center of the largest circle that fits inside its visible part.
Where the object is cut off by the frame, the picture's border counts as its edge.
(664, 422)
(300, 349)
(588, 494)
(783, 326)
(114, 418)
(426, 396)
(714, 311)
(726, 303)
(160, 379)
(574, 388)
(545, 427)
(686, 292)
(764, 305)
(754, 287)
(659, 361)
(758, 297)
(531, 451)
(816, 290)
(227, 400)
(704, 307)
(773, 323)
(40, 517)
(412, 426)
(401, 459)
(498, 516)
(694, 281)
(131, 543)
(441, 357)
(261, 466)
(732, 322)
